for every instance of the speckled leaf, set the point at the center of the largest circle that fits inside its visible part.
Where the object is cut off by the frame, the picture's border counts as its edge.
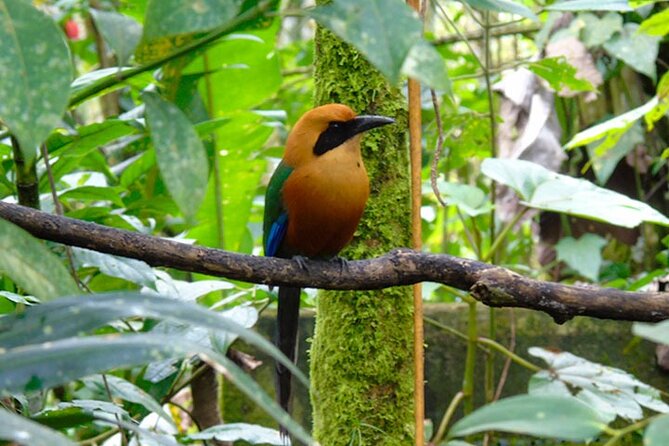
(389, 34)
(179, 151)
(249, 433)
(21, 430)
(36, 72)
(170, 17)
(121, 32)
(546, 416)
(42, 366)
(636, 49)
(32, 266)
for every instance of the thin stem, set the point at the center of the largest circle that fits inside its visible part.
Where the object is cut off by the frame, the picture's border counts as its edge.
(445, 420)
(507, 363)
(619, 433)
(470, 360)
(27, 185)
(508, 353)
(124, 439)
(462, 37)
(502, 235)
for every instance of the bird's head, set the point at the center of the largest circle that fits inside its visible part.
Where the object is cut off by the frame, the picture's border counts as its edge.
(327, 128)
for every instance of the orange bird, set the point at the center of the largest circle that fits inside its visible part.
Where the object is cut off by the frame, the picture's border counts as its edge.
(313, 204)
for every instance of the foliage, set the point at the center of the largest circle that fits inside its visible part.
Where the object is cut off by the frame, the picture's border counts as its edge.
(166, 117)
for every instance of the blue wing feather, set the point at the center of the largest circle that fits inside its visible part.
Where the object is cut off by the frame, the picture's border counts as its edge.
(276, 234)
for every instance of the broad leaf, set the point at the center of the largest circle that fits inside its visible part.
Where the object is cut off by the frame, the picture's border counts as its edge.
(23, 431)
(132, 270)
(655, 332)
(32, 266)
(170, 17)
(181, 156)
(636, 49)
(596, 31)
(36, 71)
(606, 155)
(584, 255)
(609, 391)
(469, 199)
(249, 433)
(656, 25)
(121, 32)
(67, 317)
(590, 5)
(560, 74)
(385, 32)
(657, 432)
(549, 416)
(542, 189)
(41, 366)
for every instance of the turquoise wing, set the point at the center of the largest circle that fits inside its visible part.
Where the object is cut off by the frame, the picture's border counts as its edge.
(276, 219)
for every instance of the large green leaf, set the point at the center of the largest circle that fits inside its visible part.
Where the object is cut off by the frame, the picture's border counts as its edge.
(170, 17)
(559, 74)
(181, 156)
(67, 317)
(41, 366)
(32, 266)
(657, 432)
(546, 416)
(542, 189)
(637, 49)
(606, 155)
(656, 25)
(584, 254)
(596, 31)
(504, 6)
(590, 5)
(389, 34)
(121, 32)
(20, 430)
(35, 70)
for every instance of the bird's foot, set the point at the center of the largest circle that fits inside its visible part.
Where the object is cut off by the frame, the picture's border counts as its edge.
(301, 262)
(343, 264)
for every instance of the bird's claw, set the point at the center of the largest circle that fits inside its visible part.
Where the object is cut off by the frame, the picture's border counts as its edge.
(301, 262)
(343, 264)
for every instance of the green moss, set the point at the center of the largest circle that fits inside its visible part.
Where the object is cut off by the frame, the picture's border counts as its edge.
(361, 355)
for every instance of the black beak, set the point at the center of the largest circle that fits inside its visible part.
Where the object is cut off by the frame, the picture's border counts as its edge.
(363, 123)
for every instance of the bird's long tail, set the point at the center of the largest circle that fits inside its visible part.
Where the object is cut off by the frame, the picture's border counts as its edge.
(287, 322)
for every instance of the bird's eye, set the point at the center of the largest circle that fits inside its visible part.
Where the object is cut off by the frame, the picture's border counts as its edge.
(335, 124)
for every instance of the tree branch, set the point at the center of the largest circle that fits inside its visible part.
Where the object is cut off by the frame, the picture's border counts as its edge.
(492, 285)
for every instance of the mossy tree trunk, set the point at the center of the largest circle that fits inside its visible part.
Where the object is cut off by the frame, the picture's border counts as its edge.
(361, 355)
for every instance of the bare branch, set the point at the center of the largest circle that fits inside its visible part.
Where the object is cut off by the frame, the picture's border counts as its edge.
(492, 285)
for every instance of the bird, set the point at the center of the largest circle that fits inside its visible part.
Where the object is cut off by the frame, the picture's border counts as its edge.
(313, 204)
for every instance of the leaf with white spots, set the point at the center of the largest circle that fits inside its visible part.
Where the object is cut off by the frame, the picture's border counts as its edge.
(548, 416)
(121, 32)
(36, 71)
(21, 430)
(180, 153)
(170, 17)
(32, 266)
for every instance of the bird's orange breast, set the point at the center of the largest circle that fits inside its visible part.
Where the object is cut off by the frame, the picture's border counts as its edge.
(325, 200)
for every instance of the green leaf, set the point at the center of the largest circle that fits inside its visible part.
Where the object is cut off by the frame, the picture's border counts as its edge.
(181, 156)
(41, 366)
(560, 74)
(132, 270)
(656, 25)
(88, 138)
(596, 31)
(613, 128)
(609, 391)
(657, 432)
(503, 6)
(56, 320)
(94, 193)
(606, 156)
(36, 71)
(638, 50)
(249, 433)
(584, 254)
(170, 17)
(543, 189)
(23, 431)
(385, 32)
(469, 199)
(32, 266)
(590, 5)
(127, 391)
(121, 32)
(564, 418)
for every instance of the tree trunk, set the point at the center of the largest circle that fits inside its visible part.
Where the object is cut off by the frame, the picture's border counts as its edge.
(361, 356)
